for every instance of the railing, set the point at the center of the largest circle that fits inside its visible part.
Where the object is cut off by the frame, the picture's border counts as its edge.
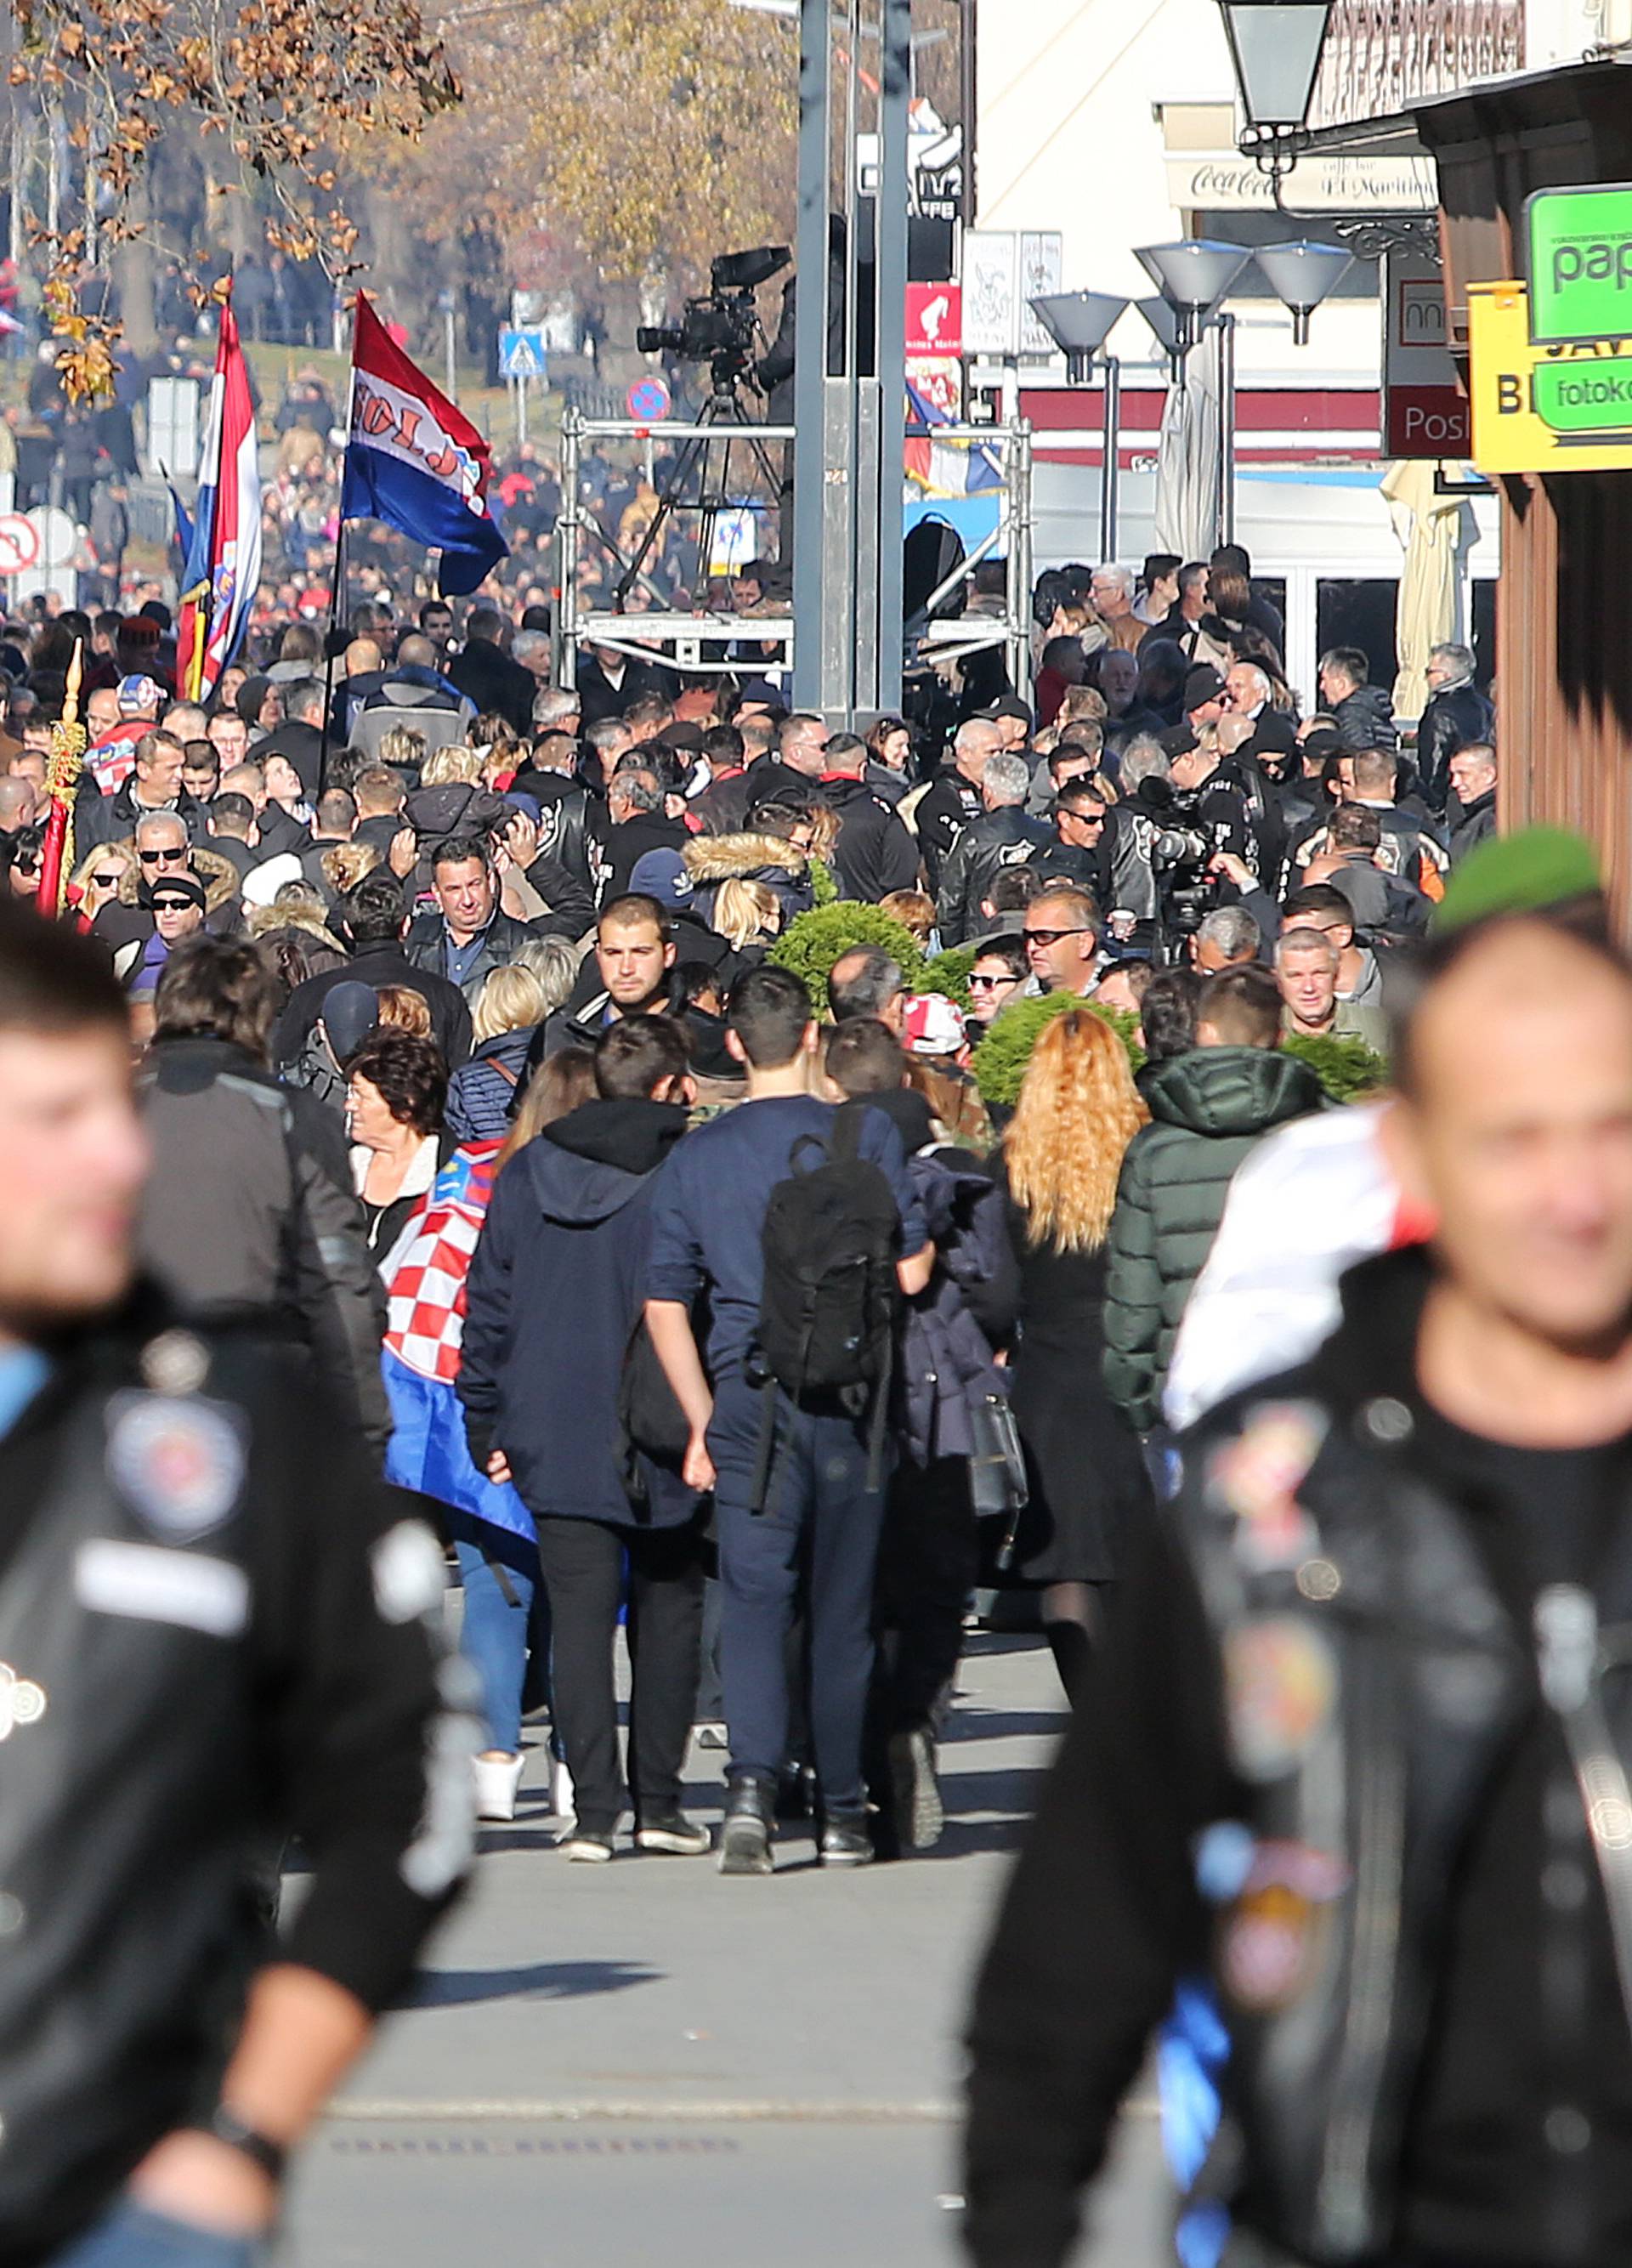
(1381, 55)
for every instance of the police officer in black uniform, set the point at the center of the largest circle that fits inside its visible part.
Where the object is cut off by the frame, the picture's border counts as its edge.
(216, 1632)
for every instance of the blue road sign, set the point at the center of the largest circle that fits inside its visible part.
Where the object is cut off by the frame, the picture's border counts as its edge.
(521, 354)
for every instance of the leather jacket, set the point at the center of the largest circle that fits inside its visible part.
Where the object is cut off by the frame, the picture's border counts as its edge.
(1360, 1582)
(211, 1638)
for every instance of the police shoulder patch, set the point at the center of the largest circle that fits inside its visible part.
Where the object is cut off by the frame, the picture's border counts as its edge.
(177, 1459)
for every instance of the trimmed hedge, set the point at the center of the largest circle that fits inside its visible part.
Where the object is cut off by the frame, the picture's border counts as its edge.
(812, 942)
(1346, 1068)
(999, 1061)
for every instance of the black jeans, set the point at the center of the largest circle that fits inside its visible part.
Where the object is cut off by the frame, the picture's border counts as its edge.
(583, 1563)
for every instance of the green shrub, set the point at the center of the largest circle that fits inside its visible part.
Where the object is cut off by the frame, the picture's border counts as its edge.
(823, 889)
(1346, 1068)
(999, 1061)
(948, 972)
(812, 942)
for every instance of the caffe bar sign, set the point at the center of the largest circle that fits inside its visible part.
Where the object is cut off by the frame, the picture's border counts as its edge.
(1227, 182)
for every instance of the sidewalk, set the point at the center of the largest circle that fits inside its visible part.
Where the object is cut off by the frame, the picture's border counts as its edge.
(649, 2042)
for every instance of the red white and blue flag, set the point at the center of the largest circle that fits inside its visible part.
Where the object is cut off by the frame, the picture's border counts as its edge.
(224, 558)
(414, 461)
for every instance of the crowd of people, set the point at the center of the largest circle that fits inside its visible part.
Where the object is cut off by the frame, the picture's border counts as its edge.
(595, 1087)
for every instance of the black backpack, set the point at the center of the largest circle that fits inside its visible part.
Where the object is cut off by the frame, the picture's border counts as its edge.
(827, 1308)
(650, 1421)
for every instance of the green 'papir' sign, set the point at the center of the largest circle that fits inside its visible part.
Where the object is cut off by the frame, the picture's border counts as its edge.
(1580, 263)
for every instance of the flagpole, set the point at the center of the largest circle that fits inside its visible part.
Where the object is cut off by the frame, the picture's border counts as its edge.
(337, 587)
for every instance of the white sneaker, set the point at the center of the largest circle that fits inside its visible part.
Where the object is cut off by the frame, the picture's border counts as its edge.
(561, 1802)
(497, 1779)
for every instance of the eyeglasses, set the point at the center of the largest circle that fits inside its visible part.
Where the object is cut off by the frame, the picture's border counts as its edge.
(1051, 936)
(162, 857)
(991, 984)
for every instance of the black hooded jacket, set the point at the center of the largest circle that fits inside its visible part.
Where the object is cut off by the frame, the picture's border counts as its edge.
(567, 1232)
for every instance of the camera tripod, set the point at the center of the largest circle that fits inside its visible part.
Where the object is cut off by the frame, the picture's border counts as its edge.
(711, 454)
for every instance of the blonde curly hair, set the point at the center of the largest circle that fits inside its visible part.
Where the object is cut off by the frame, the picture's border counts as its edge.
(1077, 1112)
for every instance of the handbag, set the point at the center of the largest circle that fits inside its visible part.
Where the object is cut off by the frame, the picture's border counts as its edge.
(997, 1485)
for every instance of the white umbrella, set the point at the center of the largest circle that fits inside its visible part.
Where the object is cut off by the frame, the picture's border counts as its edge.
(1186, 469)
(1431, 528)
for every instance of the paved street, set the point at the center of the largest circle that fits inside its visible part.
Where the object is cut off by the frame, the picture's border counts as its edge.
(600, 2058)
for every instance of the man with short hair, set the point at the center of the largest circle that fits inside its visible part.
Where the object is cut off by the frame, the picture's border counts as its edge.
(1325, 907)
(201, 771)
(1079, 850)
(550, 777)
(371, 921)
(1450, 1460)
(1227, 937)
(868, 982)
(1209, 1108)
(723, 806)
(637, 806)
(1004, 836)
(1112, 592)
(952, 799)
(219, 1637)
(607, 739)
(798, 763)
(635, 953)
(1472, 809)
(229, 735)
(299, 737)
(874, 853)
(154, 784)
(1362, 713)
(1457, 716)
(277, 830)
(116, 717)
(469, 936)
(1060, 930)
(822, 1501)
(557, 708)
(232, 833)
(1412, 850)
(333, 822)
(610, 682)
(485, 674)
(997, 975)
(1305, 966)
(381, 795)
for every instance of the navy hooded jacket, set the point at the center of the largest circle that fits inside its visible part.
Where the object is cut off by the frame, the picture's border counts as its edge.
(554, 1291)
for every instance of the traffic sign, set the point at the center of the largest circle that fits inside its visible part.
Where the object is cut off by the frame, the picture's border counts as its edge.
(647, 402)
(934, 318)
(1580, 263)
(521, 354)
(19, 543)
(1424, 410)
(1554, 408)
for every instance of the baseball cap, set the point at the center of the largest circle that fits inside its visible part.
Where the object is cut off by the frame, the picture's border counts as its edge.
(1521, 873)
(662, 874)
(136, 693)
(932, 1026)
(1202, 684)
(350, 1012)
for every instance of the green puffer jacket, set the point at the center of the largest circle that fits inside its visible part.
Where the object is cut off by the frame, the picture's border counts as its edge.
(1207, 1110)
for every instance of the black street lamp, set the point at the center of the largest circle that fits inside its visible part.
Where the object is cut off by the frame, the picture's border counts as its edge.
(1275, 49)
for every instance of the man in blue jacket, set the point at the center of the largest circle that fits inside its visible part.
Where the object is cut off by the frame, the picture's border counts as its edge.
(567, 1235)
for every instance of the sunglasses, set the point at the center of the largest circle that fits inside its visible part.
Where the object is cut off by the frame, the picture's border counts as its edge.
(1050, 936)
(107, 881)
(171, 905)
(990, 983)
(27, 865)
(161, 857)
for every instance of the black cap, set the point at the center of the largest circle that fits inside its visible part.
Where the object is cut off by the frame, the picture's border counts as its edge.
(1274, 734)
(1178, 740)
(1011, 706)
(186, 886)
(1202, 684)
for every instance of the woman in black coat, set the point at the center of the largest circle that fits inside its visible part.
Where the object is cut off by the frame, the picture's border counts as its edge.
(1079, 1110)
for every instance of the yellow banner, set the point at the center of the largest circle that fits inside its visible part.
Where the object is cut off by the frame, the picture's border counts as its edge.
(1544, 409)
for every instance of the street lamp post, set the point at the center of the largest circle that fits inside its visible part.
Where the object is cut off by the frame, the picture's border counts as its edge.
(1194, 277)
(1079, 323)
(1301, 276)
